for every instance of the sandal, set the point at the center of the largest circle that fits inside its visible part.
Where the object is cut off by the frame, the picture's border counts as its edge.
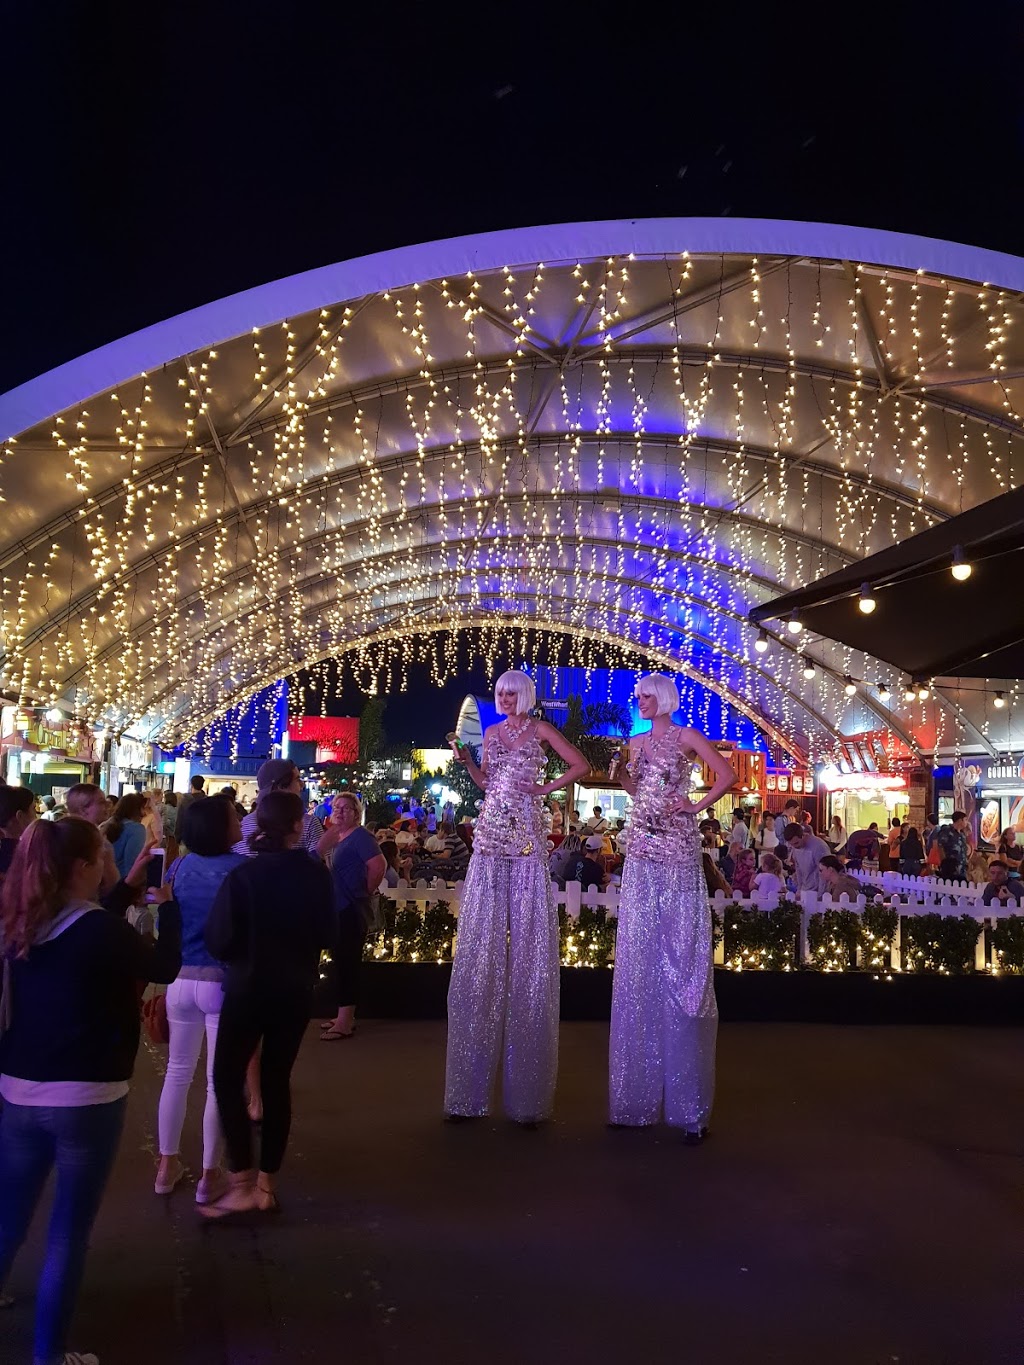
(266, 1200)
(333, 1035)
(238, 1199)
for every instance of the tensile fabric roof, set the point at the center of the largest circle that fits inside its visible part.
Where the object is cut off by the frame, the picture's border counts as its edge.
(628, 433)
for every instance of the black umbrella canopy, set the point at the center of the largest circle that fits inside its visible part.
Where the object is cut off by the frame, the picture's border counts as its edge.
(927, 622)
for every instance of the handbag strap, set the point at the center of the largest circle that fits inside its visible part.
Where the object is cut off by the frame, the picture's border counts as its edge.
(5, 999)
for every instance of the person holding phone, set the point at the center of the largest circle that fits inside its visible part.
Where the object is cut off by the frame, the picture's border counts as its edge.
(69, 1039)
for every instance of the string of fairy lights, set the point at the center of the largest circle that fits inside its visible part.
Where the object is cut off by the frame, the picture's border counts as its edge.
(630, 452)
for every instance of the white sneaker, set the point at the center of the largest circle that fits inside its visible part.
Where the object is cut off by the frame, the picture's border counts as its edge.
(80, 1358)
(210, 1188)
(165, 1185)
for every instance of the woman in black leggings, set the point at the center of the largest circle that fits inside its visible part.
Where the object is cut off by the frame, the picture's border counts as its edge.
(269, 922)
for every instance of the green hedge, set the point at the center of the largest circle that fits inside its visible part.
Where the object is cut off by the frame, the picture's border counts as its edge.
(1008, 943)
(754, 940)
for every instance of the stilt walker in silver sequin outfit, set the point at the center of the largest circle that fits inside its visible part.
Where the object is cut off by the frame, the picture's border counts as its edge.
(664, 1013)
(503, 1000)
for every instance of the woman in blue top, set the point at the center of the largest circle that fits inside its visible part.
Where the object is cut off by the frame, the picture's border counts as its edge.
(356, 868)
(194, 1000)
(126, 831)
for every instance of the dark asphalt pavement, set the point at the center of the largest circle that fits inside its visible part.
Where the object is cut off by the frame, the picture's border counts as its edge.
(858, 1203)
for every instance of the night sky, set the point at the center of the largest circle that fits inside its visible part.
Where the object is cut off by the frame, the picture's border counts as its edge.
(158, 157)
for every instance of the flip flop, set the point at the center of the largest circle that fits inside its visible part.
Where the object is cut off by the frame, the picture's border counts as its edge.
(332, 1035)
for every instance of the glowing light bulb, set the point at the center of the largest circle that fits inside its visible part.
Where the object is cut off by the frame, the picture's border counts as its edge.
(961, 569)
(851, 687)
(909, 693)
(923, 692)
(794, 625)
(866, 602)
(761, 643)
(999, 701)
(809, 669)
(883, 693)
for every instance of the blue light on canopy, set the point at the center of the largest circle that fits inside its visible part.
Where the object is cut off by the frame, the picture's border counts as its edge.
(700, 707)
(244, 733)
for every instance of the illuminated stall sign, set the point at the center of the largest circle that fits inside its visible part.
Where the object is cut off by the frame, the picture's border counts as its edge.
(1003, 774)
(66, 738)
(833, 780)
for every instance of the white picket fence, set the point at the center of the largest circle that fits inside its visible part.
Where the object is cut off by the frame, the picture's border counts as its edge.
(925, 895)
(896, 882)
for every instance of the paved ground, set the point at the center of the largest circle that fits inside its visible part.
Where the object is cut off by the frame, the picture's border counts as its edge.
(860, 1203)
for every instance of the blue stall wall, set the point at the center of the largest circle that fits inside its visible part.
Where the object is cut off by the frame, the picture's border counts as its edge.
(241, 740)
(700, 707)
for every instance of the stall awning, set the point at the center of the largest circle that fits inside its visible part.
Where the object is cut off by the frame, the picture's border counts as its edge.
(926, 622)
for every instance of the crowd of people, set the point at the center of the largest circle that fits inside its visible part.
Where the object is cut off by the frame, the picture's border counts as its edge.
(769, 853)
(78, 952)
(240, 973)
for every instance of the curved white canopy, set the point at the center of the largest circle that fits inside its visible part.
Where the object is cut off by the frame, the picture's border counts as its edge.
(629, 432)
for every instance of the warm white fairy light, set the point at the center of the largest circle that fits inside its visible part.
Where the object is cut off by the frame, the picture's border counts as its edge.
(625, 450)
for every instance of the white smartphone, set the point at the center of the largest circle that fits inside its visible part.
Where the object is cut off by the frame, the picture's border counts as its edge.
(155, 869)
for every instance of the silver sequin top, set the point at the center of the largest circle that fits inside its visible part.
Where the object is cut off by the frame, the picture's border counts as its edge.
(663, 773)
(511, 823)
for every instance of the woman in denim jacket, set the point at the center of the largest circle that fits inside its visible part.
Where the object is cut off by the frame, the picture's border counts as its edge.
(194, 999)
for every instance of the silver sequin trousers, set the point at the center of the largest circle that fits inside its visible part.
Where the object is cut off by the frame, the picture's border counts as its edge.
(503, 999)
(664, 1013)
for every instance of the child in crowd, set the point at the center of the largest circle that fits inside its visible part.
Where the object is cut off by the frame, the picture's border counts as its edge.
(769, 881)
(744, 872)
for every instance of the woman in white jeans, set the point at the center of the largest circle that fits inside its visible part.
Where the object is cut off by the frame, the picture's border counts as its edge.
(194, 999)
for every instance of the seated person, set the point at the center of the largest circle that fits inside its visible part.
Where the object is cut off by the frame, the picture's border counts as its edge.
(591, 868)
(566, 856)
(744, 871)
(391, 871)
(713, 879)
(406, 835)
(835, 880)
(449, 862)
(998, 889)
(597, 824)
(455, 849)
(770, 881)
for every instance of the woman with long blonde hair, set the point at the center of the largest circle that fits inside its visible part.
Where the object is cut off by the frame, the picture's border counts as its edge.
(70, 1032)
(664, 1013)
(503, 1000)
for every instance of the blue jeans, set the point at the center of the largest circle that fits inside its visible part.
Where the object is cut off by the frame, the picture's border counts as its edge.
(82, 1143)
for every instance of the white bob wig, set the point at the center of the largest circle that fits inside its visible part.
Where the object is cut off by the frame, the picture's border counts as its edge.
(664, 691)
(519, 683)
